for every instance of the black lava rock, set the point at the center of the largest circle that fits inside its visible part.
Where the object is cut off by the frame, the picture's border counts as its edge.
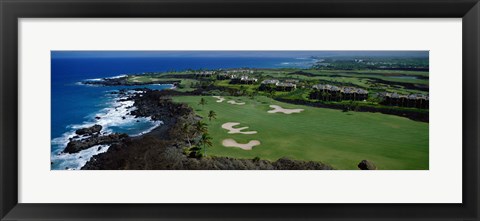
(367, 165)
(89, 130)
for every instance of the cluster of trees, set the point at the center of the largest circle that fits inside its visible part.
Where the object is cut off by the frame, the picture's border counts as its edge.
(202, 84)
(270, 90)
(325, 95)
(371, 63)
(200, 131)
(351, 106)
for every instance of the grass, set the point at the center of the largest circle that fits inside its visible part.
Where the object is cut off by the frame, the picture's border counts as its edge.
(340, 139)
(184, 86)
(226, 83)
(141, 79)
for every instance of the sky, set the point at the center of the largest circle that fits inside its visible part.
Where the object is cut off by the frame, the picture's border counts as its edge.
(278, 54)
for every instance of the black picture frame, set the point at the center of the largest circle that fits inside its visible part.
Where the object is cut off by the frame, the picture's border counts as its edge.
(12, 10)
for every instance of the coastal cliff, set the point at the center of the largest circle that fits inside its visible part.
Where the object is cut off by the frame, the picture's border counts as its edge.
(123, 81)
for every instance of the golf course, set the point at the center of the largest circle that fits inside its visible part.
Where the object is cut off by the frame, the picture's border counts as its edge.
(338, 138)
(266, 110)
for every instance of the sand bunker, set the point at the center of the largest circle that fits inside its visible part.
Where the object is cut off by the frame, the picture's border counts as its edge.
(229, 126)
(234, 102)
(219, 99)
(247, 146)
(278, 109)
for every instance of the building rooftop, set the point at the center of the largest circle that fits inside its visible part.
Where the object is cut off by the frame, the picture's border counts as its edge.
(326, 87)
(246, 71)
(291, 81)
(270, 81)
(410, 96)
(205, 73)
(346, 90)
(285, 84)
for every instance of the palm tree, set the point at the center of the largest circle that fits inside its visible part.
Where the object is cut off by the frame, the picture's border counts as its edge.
(205, 141)
(242, 90)
(201, 127)
(324, 95)
(271, 93)
(186, 130)
(255, 92)
(202, 102)
(212, 115)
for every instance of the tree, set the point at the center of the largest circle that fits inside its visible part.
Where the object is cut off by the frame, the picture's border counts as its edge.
(201, 127)
(202, 102)
(205, 141)
(186, 130)
(242, 90)
(324, 95)
(212, 115)
(351, 106)
(250, 95)
(255, 92)
(328, 95)
(355, 106)
(271, 93)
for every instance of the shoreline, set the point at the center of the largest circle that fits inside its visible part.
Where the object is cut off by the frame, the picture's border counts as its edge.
(98, 131)
(122, 81)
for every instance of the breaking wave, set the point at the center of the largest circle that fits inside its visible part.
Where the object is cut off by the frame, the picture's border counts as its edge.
(115, 118)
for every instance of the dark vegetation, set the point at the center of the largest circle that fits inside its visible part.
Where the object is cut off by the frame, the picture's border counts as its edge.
(405, 85)
(373, 63)
(414, 114)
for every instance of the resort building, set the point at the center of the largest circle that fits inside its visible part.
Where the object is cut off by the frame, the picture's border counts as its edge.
(412, 100)
(225, 76)
(334, 93)
(270, 82)
(243, 80)
(240, 71)
(204, 74)
(351, 93)
(327, 88)
(293, 81)
(286, 86)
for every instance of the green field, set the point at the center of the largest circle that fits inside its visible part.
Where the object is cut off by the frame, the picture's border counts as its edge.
(340, 139)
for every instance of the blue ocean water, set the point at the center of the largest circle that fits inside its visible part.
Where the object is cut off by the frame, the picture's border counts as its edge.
(74, 105)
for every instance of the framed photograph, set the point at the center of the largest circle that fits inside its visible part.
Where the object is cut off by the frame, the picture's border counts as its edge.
(227, 110)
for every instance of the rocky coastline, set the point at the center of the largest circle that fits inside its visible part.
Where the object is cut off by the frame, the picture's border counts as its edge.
(123, 81)
(75, 146)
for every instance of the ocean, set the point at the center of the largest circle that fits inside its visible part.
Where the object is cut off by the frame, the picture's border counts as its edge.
(75, 105)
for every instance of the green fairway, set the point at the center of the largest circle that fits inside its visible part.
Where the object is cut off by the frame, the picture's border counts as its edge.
(340, 139)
